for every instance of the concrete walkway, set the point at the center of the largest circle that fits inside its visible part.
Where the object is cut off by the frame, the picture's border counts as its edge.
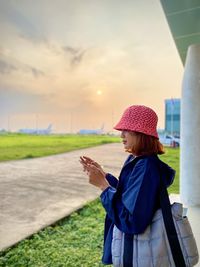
(35, 193)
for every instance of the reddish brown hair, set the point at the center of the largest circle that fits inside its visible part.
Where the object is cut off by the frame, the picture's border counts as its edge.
(146, 145)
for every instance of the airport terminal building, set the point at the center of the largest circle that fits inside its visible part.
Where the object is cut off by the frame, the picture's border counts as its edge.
(172, 116)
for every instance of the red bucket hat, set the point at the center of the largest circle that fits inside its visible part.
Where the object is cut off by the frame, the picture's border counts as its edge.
(138, 118)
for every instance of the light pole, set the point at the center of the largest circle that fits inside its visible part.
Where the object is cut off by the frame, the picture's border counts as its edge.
(8, 123)
(36, 122)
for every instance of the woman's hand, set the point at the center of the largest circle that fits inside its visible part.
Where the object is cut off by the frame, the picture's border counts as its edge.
(95, 172)
(87, 161)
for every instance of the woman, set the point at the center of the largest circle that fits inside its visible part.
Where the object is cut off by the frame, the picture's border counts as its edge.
(131, 201)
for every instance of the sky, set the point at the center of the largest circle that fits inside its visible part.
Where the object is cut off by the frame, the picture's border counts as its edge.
(80, 63)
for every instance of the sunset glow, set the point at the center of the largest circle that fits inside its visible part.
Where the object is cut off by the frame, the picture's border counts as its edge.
(53, 54)
(99, 92)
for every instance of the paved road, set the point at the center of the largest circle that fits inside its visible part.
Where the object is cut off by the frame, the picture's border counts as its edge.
(37, 192)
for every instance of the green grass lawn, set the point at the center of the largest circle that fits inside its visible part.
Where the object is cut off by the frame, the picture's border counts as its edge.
(72, 242)
(22, 146)
(75, 241)
(171, 157)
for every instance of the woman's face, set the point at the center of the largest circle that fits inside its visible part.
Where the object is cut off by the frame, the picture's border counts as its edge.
(128, 139)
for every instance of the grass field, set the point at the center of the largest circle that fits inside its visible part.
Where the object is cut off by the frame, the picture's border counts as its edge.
(172, 157)
(23, 146)
(75, 241)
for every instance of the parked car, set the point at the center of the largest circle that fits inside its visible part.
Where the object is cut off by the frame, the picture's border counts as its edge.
(168, 140)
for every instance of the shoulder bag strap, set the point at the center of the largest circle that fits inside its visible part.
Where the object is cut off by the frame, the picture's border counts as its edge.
(169, 225)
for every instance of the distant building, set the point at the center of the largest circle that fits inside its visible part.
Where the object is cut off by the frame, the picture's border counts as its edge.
(172, 116)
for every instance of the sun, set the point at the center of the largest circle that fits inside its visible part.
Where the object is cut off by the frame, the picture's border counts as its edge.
(99, 92)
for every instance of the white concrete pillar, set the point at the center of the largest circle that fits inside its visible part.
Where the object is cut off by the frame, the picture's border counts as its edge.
(190, 130)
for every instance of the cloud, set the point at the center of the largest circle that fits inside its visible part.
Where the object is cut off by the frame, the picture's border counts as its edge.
(76, 55)
(13, 15)
(6, 68)
(14, 100)
(34, 38)
(36, 73)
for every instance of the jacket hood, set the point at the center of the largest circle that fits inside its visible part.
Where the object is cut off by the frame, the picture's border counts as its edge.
(167, 172)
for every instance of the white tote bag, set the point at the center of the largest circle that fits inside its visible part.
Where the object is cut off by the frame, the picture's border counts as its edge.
(151, 248)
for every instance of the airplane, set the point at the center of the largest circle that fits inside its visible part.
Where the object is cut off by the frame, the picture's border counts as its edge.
(92, 131)
(36, 131)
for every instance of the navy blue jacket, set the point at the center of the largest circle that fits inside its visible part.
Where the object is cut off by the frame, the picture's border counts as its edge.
(131, 201)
